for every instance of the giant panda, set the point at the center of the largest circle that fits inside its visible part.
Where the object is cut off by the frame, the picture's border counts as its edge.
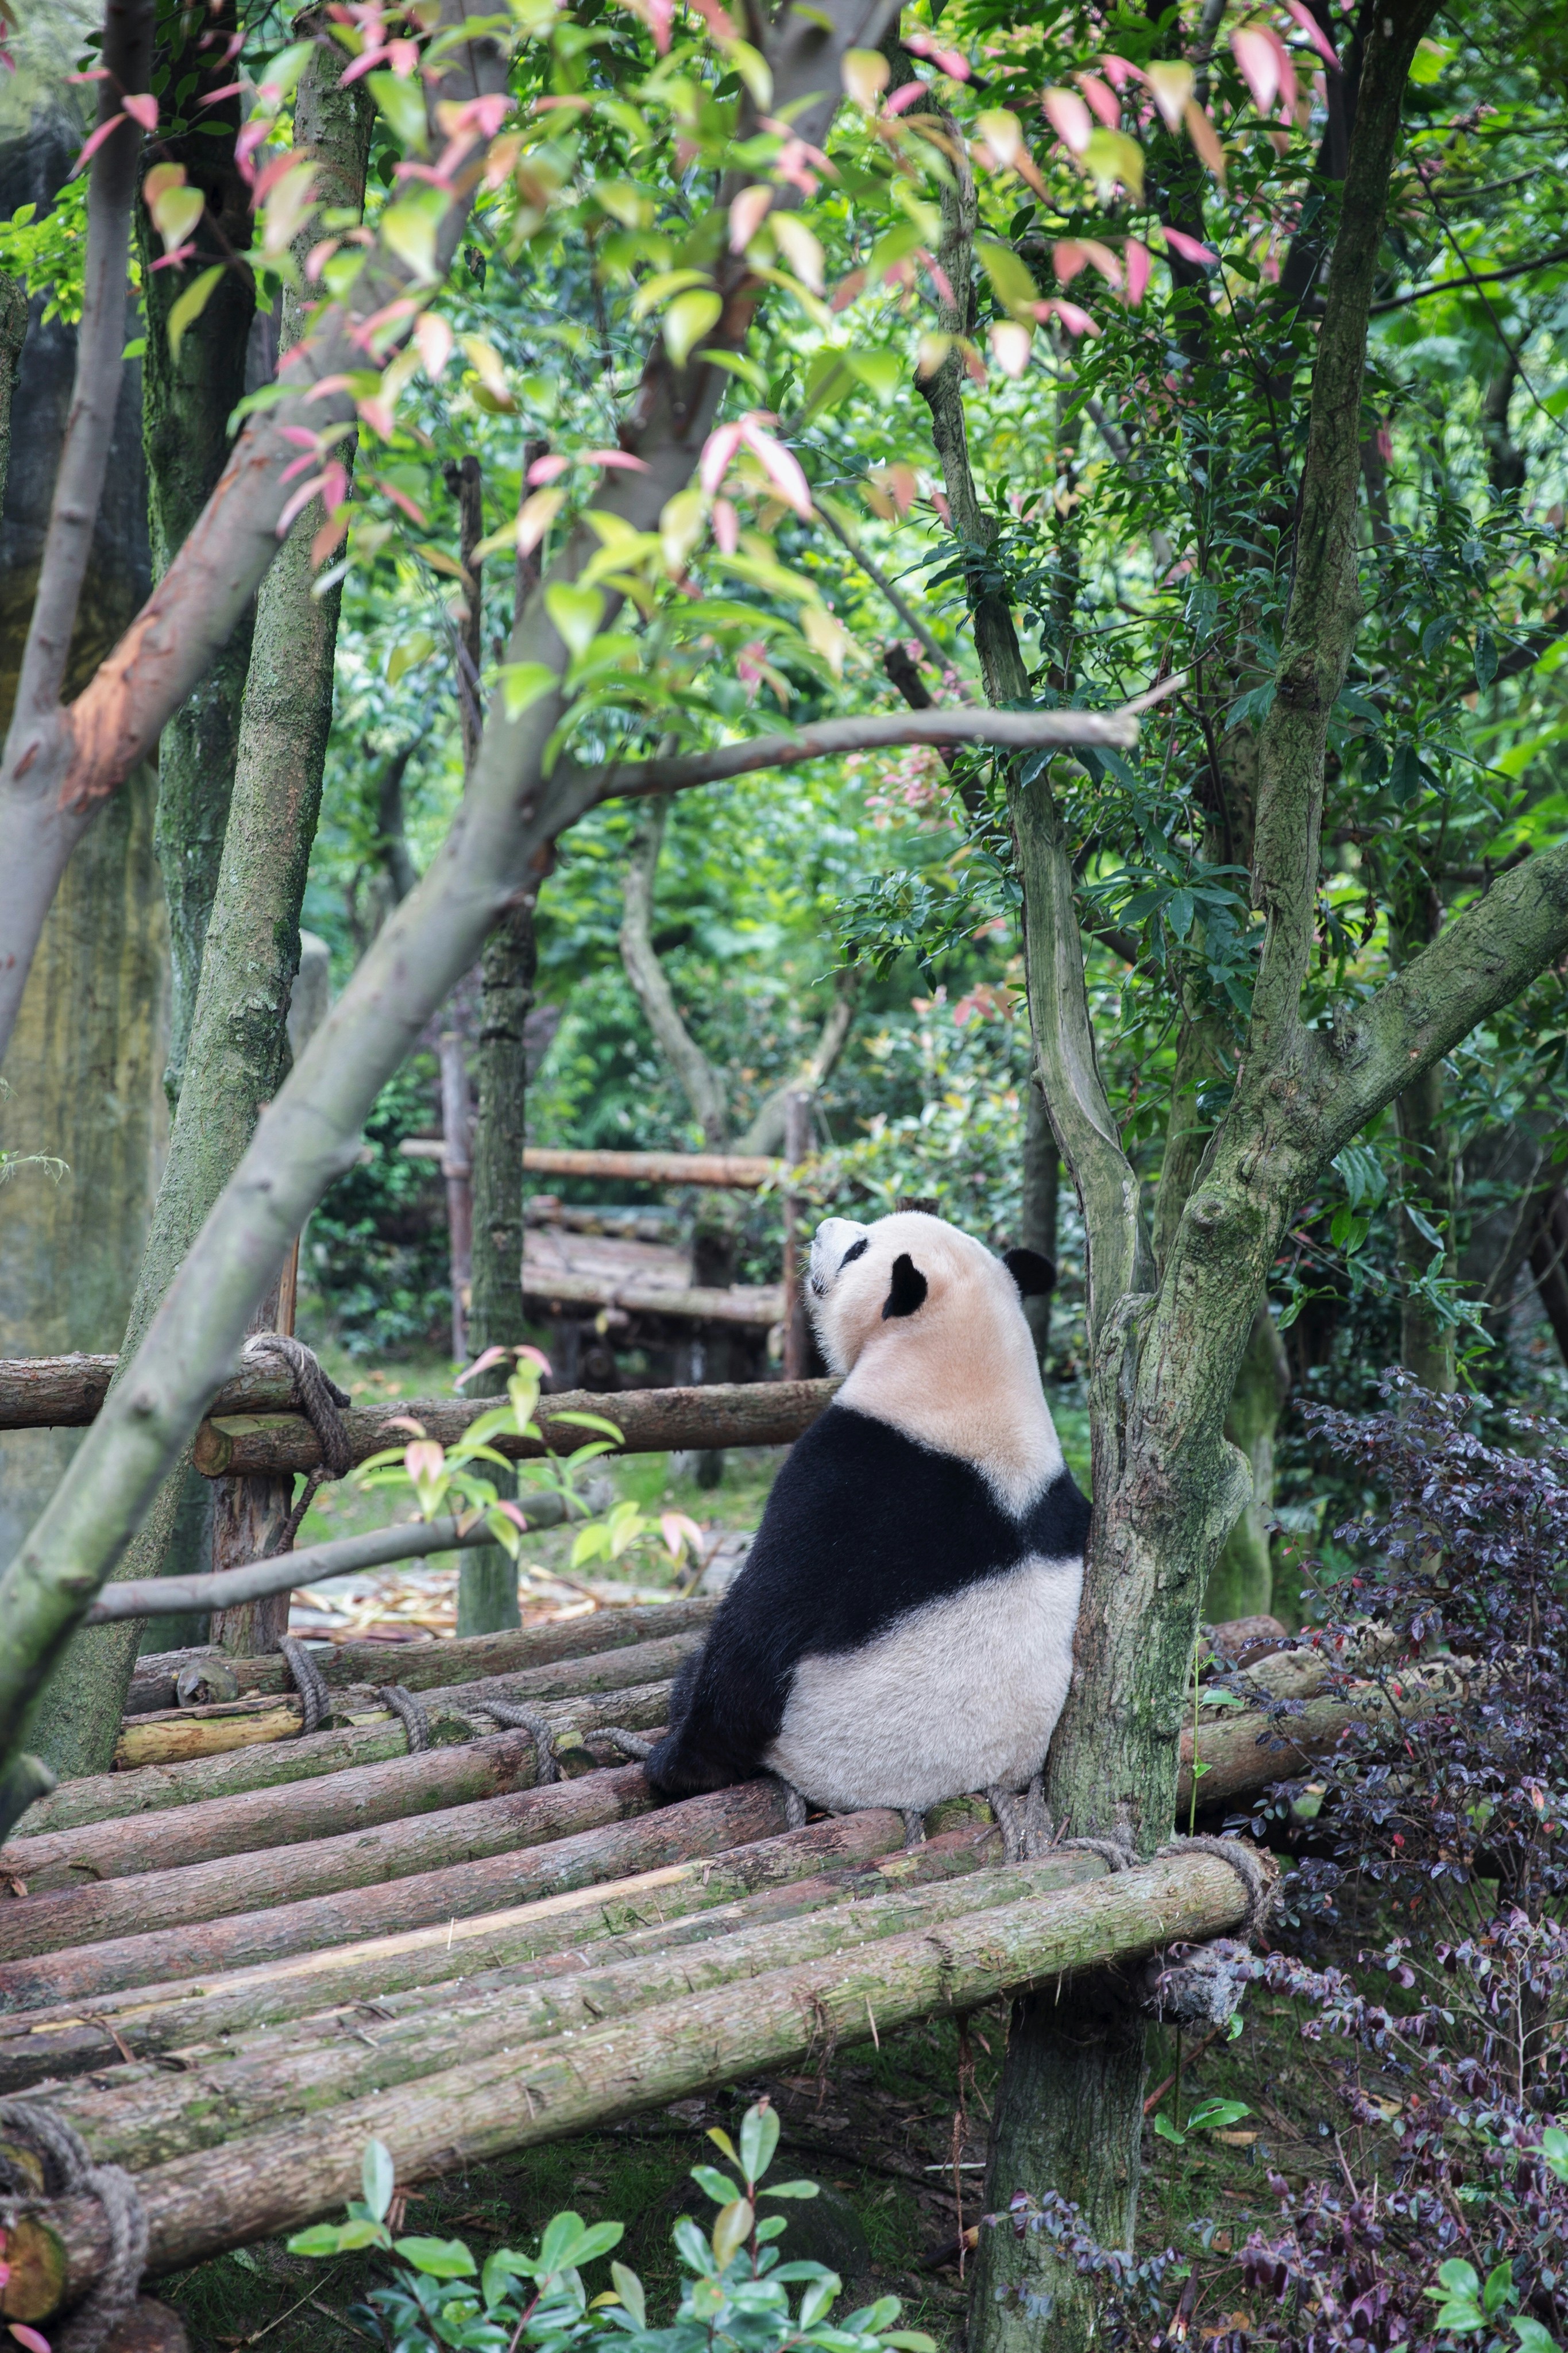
(902, 1630)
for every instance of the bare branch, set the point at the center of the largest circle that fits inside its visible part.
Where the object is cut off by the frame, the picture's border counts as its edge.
(1468, 284)
(1015, 731)
(896, 598)
(766, 1136)
(58, 765)
(702, 1084)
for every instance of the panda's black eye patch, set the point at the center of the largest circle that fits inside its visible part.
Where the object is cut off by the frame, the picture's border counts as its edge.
(855, 1251)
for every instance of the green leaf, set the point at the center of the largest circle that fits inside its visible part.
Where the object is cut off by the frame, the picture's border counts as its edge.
(721, 2138)
(1499, 2289)
(401, 104)
(562, 2233)
(1554, 2150)
(408, 230)
(1213, 2116)
(910, 2340)
(759, 2141)
(1010, 278)
(1179, 913)
(1165, 2130)
(1459, 2278)
(378, 2177)
(770, 2227)
(320, 2239)
(630, 2288)
(500, 2271)
(523, 684)
(687, 320)
(791, 2190)
(596, 2241)
(717, 2186)
(818, 2299)
(1533, 2338)
(1485, 658)
(732, 2229)
(880, 371)
(441, 2258)
(190, 306)
(408, 655)
(575, 613)
(592, 1421)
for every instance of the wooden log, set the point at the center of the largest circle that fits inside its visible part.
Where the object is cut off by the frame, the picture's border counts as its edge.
(424, 1666)
(732, 1413)
(399, 1790)
(758, 1306)
(174, 1737)
(106, 1796)
(742, 1172)
(143, 2115)
(265, 2183)
(766, 1879)
(1250, 1752)
(696, 1826)
(67, 1392)
(264, 1879)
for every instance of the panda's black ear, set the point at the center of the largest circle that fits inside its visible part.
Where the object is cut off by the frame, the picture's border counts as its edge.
(908, 1289)
(1034, 1276)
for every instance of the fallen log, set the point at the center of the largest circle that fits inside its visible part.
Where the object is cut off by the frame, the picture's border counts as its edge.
(105, 1796)
(143, 2115)
(399, 1790)
(738, 1413)
(425, 1666)
(67, 1392)
(682, 1902)
(695, 1827)
(757, 1305)
(265, 2183)
(277, 1875)
(178, 1734)
(744, 1172)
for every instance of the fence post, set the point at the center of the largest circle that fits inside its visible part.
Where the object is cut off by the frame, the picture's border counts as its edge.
(249, 1510)
(797, 1148)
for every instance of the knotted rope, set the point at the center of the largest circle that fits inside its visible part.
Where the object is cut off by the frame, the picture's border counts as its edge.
(546, 1766)
(320, 1400)
(314, 1698)
(1248, 1866)
(414, 1720)
(69, 2172)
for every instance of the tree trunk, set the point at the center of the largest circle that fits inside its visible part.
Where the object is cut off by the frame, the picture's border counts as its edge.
(1242, 1583)
(1426, 1340)
(82, 1070)
(238, 1048)
(1037, 1225)
(187, 400)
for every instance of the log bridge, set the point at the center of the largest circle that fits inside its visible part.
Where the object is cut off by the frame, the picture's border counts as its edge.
(233, 1962)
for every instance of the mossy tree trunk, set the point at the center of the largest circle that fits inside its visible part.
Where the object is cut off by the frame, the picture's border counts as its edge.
(1426, 1216)
(187, 400)
(1242, 1582)
(239, 1051)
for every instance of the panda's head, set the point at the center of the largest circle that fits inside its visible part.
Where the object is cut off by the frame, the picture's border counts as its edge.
(929, 1326)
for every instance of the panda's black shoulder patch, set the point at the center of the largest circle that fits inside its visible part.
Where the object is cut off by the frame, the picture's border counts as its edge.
(863, 1526)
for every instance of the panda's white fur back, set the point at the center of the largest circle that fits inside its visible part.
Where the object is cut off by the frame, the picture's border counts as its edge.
(903, 1629)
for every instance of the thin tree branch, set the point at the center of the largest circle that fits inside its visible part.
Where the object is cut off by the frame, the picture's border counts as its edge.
(127, 58)
(1469, 282)
(59, 764)
(512, 808)
(896, 598)
(702, 1084)
(766, 1136)
(1017, 731)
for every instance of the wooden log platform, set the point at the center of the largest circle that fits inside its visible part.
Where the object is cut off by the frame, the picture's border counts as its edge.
(229, 1973)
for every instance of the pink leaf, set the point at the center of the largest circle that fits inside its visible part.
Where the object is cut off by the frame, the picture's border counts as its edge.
(746, 216)
(1075, 321)
(1068, 258)
(1258, 64)
(782, 468)
(513, 1512)
(481, 1364)
(548, 468)
(301, 500)
(95, 142)
(535, 1356)
(142, 108)
(718, 451)
(951, 62)
(1103, 101)
(621, 458)
(30, 2338)
(1190, 249)
(904, 96)
(1068, 118)
(1118, 72)
(1314, 32)
(1136, 259)
(726, 526)
(215, 97)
